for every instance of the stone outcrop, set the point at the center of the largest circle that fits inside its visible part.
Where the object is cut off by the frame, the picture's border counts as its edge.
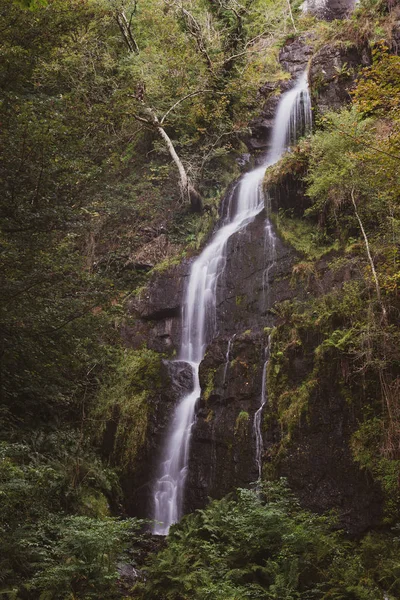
(332, 74)
(154, 315)
(261, 126)
(318, 462)
(223, 444)
(255, 277)
(295, 54)
(288, 193)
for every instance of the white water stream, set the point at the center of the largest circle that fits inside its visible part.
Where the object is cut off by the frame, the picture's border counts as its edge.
(227, 357)
(199, 314)
(257, 423)
(329, 8)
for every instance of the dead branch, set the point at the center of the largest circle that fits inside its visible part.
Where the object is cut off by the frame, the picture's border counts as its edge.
(371, 262)
(181, 100)
(125, 27)
(194, 28)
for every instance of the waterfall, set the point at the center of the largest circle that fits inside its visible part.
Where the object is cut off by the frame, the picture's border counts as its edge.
(227, 357)
(269, 250)
(199, 312)
(329, 8)
(257, 423)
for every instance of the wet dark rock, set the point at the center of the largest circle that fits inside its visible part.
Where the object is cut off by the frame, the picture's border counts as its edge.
(154, 316)
(253, 280)
(223, 444)
(318, 462)
(177, 376)
(134, 569)
(332, 74)
(261, 126)
(162, 297)
(295, 55)
(243, 159)
(288, 194)
(128, 574)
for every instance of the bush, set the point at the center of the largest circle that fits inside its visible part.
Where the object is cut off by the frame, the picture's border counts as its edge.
(262, 545)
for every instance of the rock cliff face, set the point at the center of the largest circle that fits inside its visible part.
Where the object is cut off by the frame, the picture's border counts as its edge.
(155, 314)
(223, 441)
(332, 74)
(317, 461)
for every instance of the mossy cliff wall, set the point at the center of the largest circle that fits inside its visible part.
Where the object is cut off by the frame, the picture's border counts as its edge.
(312, 411)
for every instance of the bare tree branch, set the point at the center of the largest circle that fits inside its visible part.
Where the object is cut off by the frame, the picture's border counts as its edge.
(291, 15)
(181, 100)
(188, 191)
(125, 27)
(142, 120)
(371, 262)
(245, 48)
(194, 29)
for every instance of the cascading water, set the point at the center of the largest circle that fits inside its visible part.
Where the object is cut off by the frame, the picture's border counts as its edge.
(329, 9)
(199, 314)
(227, 357)
(257, 423)
(269, 250)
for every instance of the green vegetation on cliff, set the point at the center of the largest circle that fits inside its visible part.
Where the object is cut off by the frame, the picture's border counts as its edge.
(350, 334)
(124, 402)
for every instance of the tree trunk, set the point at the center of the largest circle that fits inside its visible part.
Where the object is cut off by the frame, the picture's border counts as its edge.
(125, 28)
(187, 189)
(189, 193)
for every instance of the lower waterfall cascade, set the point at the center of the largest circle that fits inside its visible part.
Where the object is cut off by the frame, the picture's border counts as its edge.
(293, 119)
(257, 423)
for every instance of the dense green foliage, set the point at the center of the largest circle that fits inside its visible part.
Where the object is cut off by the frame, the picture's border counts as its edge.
(125, 401)
(56, 534)
(261, 545)
(80, 175)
